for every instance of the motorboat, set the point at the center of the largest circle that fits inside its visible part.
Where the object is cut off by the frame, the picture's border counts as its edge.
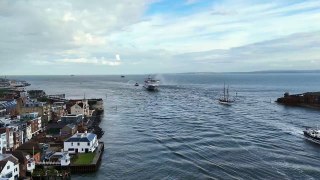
(151, 84)
(312, 134)
(136, 84)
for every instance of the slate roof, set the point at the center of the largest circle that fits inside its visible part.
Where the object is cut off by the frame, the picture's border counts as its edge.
(84, 137)
(71, 126)
(20, 155)
(2, 164)
(3, 130)
(30, 147)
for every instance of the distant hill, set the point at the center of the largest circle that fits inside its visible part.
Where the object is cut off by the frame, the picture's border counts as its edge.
(287, 71)
(265, 71)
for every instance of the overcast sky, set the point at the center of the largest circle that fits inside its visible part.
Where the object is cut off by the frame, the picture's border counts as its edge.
(157, 36)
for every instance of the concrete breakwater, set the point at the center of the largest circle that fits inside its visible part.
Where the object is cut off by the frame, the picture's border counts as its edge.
(308, 99)
(94, 124)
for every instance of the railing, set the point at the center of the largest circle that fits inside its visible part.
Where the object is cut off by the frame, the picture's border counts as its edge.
(47, 163)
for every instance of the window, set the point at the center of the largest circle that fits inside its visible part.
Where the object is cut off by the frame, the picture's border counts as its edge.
(88, 144)
(8, 167)
(71, 144)
(66, 161)
(16, 169)
(78, 144)
(70, 149)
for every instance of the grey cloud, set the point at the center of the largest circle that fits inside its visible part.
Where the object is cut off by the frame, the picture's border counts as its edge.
(33, 31)
(298, 49)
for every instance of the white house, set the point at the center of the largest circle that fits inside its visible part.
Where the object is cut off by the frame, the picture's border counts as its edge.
(81, 143)
(9, 167)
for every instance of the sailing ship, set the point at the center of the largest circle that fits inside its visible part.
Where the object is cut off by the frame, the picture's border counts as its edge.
(225, 99)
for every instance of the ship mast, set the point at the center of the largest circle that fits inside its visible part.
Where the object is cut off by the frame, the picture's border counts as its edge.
(228, 93)
(224, 91)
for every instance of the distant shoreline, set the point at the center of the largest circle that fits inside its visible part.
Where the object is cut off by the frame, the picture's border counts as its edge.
(156, 73)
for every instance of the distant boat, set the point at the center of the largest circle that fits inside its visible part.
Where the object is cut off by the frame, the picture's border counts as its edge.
(72, 75)
(136, 84)
(151, 84)
(312, 135)
(122, 76)
(225, 99)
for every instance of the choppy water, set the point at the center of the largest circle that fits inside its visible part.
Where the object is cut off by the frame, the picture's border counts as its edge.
(181, 132)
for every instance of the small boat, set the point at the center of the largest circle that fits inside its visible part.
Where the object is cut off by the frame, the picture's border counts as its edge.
(312, 135)
(136, 84)
(225, 100)
(151, 84)
(122, 76)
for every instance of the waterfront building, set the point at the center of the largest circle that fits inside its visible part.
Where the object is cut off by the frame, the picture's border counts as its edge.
(71, 119)
(9, 167)
(81, 143)
(68, 130)
(76, 109)
(81, 107)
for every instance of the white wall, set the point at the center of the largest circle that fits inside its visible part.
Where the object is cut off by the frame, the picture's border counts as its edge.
(28, 132)
(10, 168)
(76, 109)
(81, 147)
(3, 142)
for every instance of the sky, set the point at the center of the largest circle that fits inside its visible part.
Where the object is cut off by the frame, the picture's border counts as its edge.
(61, 37)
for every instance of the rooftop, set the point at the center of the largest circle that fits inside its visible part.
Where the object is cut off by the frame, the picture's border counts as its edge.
(81, 137)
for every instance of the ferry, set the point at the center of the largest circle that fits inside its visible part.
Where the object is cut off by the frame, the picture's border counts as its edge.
(151, 84)
(312, 135)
